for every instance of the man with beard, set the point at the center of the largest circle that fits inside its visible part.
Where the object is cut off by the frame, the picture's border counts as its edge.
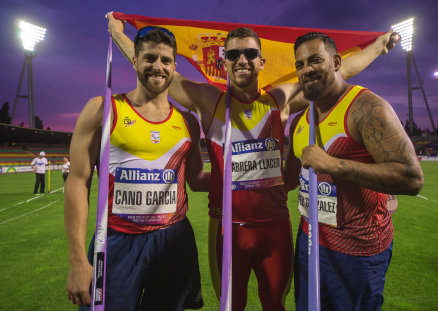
(362, 155)
(152, 259)
(262, 238)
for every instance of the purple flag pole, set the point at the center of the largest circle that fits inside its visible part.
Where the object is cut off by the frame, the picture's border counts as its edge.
(314, 296)
(99, 261)
(226, 283)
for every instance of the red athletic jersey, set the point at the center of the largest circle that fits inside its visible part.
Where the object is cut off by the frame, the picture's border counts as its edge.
(359, 222)
(257, 137)
(146, 170)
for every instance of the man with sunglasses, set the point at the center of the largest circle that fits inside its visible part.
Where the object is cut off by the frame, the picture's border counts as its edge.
(152, 259)
(262, 238)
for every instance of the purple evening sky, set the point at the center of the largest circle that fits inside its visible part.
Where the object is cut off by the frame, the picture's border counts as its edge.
(71, 65)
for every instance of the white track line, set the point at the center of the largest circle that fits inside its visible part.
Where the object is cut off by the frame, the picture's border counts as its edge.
(28, 213)
(12, 206)
(40, 196)
(426, 198)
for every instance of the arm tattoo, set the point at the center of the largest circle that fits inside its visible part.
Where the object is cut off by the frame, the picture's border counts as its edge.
(396, 170)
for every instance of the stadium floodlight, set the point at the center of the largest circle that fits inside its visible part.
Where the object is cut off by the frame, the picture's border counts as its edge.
(405, 29)
(31, 35)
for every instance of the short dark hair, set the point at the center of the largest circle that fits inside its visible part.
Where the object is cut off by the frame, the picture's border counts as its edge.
(329, 43)
(157, 36)
(242, 33)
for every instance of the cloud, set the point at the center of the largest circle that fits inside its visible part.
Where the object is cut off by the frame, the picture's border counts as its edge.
(71, 115)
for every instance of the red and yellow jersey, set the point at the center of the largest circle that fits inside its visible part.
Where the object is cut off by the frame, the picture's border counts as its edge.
(146, 169)
(353, 220)
(257, 137)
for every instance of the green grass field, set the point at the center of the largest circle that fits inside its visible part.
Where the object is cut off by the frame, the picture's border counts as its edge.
(34, 252)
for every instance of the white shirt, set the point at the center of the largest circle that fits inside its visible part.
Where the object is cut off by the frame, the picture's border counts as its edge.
(66, 167)
(40, 165)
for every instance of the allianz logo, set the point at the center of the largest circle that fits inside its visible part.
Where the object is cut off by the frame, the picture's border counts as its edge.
(168, 176)
(137, 175)
(270, 143)
(243, 146)
(325, 188)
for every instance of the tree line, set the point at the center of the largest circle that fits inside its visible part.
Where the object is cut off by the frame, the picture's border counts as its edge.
(5, 118)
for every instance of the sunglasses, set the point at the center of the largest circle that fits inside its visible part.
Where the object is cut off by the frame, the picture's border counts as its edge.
(249, 54)
(145, 30)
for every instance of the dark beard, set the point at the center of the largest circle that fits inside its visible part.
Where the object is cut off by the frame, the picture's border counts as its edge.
(154, 89)
(313, 92)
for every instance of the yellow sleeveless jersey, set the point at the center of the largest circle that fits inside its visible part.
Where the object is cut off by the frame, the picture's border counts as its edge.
(329, 129)
(257, 165)
(146, 166)
(354, 220)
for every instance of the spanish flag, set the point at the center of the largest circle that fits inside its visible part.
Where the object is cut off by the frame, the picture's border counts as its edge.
(202, 43)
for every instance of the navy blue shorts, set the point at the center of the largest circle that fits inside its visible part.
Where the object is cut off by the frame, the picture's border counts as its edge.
(157, 270)
(347, 282)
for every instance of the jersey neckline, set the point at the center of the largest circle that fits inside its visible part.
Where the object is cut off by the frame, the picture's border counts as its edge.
(248, 102)
(333, 108)
(149, 121)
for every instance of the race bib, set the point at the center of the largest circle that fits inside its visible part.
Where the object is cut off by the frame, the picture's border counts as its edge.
(145, 196)
(327, 200)
(256, 164)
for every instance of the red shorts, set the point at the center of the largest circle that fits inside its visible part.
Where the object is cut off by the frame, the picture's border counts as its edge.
(265, 247)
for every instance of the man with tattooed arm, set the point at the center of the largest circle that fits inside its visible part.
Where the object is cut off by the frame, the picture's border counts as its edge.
(362, 154)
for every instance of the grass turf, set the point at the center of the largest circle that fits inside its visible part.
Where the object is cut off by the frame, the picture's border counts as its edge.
(34, 251)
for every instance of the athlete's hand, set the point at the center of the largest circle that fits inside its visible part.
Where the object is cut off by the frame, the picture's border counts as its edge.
(315, 157)
(387, 41)
(114, 25)
(78, 284)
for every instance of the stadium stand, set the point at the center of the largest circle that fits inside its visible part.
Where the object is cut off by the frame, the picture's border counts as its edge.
(20, 145)
(15, 157)
(427, 145)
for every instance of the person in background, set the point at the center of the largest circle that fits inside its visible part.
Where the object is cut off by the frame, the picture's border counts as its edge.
(39, 166)
(65, 170)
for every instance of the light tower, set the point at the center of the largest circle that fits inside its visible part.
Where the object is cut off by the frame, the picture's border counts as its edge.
(405, 30)
(31, 35)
